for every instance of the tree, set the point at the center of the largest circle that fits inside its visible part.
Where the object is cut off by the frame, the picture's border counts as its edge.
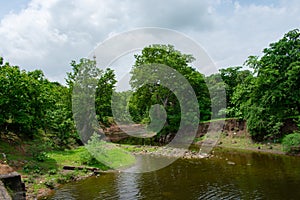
(217, 94)
(233, 77)
(91, 90)
(104, 90)
(146, 67)
(28, 101)
(22, 99)
(275, 93)
(59, 123)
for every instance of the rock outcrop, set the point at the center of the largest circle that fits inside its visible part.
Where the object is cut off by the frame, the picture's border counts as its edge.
(228, 126)
(12, 187)
(4, 195)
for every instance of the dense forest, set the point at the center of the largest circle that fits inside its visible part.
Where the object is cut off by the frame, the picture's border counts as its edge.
(264, 92)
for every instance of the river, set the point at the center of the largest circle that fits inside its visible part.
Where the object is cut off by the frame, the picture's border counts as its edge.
(230, 174)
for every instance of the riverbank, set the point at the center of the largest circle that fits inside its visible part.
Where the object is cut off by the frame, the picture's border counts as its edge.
(246, 143)
(43, 171)
(41, 177)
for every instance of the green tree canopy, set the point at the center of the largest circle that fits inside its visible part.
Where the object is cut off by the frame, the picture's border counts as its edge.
(91, 90)
(274, 94)
(146, 95)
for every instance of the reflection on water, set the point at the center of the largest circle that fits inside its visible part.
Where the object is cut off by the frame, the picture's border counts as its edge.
(246, 176)
(128, 186)
(149, 163)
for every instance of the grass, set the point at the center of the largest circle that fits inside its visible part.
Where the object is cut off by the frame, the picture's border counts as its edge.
(111, 155)
(215, 120)
(245, 142)
(42, 176)
(138, 148)
(11, 151)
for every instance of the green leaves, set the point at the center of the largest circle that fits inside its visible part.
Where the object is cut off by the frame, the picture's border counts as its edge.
(274, 94)
(152, 73)
(23, 98)
(29, 103)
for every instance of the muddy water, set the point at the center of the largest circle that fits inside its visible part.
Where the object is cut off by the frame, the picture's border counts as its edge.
(228, 175)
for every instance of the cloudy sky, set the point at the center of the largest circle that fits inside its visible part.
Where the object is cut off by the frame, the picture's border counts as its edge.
(49, 34)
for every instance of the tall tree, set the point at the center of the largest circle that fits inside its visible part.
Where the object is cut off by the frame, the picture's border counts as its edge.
(146, 65)
(104, 90)
(91, 90)
(233, 77)
(275, 95)
(26, 99)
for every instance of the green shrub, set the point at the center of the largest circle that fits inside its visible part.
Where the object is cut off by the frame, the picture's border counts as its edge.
(38, 149)
(52, 172)
(41, 156)
(32, 168)
(50, 184)
(65, 178)
(291, 141)
(107, 121)
(87, 159)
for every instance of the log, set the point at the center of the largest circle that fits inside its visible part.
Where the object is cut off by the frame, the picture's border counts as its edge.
(93, 169)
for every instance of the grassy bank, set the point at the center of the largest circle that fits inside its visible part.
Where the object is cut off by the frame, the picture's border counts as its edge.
(246, 143)
(44, 171)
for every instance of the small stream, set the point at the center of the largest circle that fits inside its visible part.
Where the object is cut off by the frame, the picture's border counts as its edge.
(230, 174)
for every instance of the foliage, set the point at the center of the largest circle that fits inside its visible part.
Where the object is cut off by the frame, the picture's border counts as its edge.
(24, 99)
(87, 159)
(104, 90)
(233, 77)
(108, 153)
(290, 141)
(30, 103)
(273, 95)
(65, 178)
(91, 90)
(146, 95)
(60, 125)
(39, 152)
(217, 95)
(120, 104)
(31, 106)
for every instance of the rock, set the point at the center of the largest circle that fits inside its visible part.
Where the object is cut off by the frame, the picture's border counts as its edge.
(230, 163)
(5, 169)
(14, 182)
(3, 192)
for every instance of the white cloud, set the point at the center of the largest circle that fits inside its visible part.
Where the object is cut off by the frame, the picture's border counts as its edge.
(247, 29)
(49, 34)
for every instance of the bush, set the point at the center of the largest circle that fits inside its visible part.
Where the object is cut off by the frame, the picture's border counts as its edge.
(290, 142)
(32, 168)
(66, 178)
(50, 184)
(38, 149)
(87, 159)
(52, 172)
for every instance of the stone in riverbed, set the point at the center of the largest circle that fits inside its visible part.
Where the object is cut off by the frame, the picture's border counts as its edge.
(230, 163)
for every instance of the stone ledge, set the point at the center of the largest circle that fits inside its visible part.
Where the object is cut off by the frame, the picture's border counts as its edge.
(4, 195)
(14, 183)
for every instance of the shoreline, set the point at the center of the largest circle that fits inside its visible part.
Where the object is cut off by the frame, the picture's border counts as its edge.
(193, 154)
(45, 188)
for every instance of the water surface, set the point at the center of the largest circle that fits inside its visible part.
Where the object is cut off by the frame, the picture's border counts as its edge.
(228, 175)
